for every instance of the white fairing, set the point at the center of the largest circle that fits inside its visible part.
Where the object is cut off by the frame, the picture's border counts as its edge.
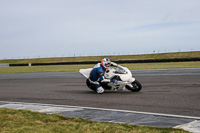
(85, 72)
(123, 72)
(126, 77)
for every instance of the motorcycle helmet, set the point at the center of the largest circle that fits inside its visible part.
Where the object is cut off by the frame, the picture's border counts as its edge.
(106, 63)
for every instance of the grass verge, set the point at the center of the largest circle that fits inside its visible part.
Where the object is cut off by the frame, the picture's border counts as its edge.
(61, 68)
(176, 55)
(27, 121)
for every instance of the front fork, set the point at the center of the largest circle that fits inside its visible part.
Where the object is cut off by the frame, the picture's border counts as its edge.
(130, 81)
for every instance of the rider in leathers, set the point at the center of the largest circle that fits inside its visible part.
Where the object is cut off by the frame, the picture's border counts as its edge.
(97, 75)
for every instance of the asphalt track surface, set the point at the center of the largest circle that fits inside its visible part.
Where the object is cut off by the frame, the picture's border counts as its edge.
(168, 91)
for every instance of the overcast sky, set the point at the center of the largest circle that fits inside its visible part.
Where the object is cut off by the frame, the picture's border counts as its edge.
(45, 28)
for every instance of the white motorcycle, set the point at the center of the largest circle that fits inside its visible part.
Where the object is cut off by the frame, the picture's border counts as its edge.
(122, 75)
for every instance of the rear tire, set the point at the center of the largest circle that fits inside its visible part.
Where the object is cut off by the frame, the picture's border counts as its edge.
(136, 86)
(94, 86)
(91, 86)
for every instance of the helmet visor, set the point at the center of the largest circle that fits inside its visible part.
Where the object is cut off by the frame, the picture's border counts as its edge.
(107, 64)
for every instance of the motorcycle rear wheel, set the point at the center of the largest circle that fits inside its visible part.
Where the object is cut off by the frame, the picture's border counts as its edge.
(136, 86)
(92, 87)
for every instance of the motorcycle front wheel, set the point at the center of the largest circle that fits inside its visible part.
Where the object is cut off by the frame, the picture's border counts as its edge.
(136, 86)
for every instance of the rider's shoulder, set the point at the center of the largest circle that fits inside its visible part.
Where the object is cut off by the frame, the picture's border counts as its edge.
(97, 65)
(100, 69)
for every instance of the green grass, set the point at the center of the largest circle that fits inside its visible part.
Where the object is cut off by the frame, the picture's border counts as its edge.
(113, 58)
(166, 65)
(62, 68)
(21, 121)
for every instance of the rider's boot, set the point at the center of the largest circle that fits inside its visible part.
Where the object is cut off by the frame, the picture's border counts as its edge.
(100, 90)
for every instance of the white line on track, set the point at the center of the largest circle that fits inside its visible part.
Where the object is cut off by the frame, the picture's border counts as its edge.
(117, 110)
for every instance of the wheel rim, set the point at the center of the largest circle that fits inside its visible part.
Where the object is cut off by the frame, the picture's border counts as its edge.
(135, 86)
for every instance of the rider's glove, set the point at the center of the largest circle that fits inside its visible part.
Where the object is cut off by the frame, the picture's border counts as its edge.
(114, 64)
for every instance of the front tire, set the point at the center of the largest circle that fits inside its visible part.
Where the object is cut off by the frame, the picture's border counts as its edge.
(136, 86)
